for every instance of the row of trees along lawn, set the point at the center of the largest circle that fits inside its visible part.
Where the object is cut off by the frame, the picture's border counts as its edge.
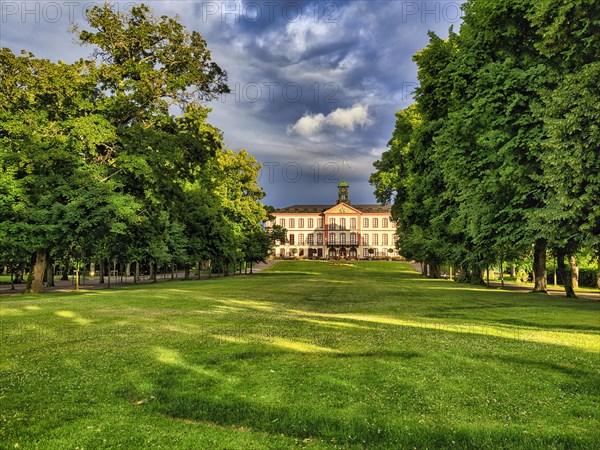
(499, 157)
(112, 158)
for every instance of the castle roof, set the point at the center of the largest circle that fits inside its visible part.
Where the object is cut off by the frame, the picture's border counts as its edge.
(318, 209)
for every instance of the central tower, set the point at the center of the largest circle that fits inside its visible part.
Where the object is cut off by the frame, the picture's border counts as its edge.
(343, 192)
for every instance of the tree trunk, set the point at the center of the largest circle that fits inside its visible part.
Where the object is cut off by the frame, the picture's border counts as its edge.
(574, 271)
(92, 269)
(477, 276)
(65, 275)
(198, 267)
(502, 274)
(487, 275)
(77, 276)
(513, 270)
(108, 274)
(172, 271)
(555, 276)
(539, 266)
(252, 264)
(434, 270)
(101, 280)
(186, 272)
(450, 273)
(35, 283)
(50, 273)
(136, 275)
(598, 273)
(565, 276)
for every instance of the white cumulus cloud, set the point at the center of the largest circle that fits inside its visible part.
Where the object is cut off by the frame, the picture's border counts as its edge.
(309, 125)
(344, 118)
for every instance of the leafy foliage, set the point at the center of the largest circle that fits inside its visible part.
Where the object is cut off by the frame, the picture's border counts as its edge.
(113, 157)
(503, 158)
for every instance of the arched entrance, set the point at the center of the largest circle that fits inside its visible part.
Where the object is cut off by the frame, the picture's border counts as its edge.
(352, 254)
(332, 254)
(342, 253)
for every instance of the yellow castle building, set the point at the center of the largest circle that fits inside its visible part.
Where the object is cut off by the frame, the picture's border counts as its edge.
(336, 231)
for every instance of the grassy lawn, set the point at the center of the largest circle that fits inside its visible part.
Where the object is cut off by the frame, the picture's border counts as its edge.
(304, 354)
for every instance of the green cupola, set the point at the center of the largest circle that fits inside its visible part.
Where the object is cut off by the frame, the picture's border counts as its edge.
(343, 192)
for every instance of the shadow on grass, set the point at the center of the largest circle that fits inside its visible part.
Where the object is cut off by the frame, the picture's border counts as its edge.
(581, 340)
(582, 381)
(379, 354)
(565, 326)
(280, 273)
(179, 396)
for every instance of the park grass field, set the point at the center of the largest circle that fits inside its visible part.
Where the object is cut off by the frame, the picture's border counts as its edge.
(301, 355)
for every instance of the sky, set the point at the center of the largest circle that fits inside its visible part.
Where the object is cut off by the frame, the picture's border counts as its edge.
(314, 84)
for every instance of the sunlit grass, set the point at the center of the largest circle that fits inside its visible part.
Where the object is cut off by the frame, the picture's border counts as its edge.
(305, 354)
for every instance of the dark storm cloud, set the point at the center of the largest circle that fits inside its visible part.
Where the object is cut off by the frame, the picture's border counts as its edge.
(363, 56)
(314, 83)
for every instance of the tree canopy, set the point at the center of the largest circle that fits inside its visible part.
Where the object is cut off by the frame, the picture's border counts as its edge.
(499, 156)
(113, 157)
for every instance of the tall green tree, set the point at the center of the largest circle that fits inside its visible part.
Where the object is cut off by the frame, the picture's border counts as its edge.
(97, 155)
(504, 161)
(570, 111)
(490, 144)
(44, 105)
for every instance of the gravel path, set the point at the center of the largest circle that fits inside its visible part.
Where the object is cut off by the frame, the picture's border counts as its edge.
(93, 283)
